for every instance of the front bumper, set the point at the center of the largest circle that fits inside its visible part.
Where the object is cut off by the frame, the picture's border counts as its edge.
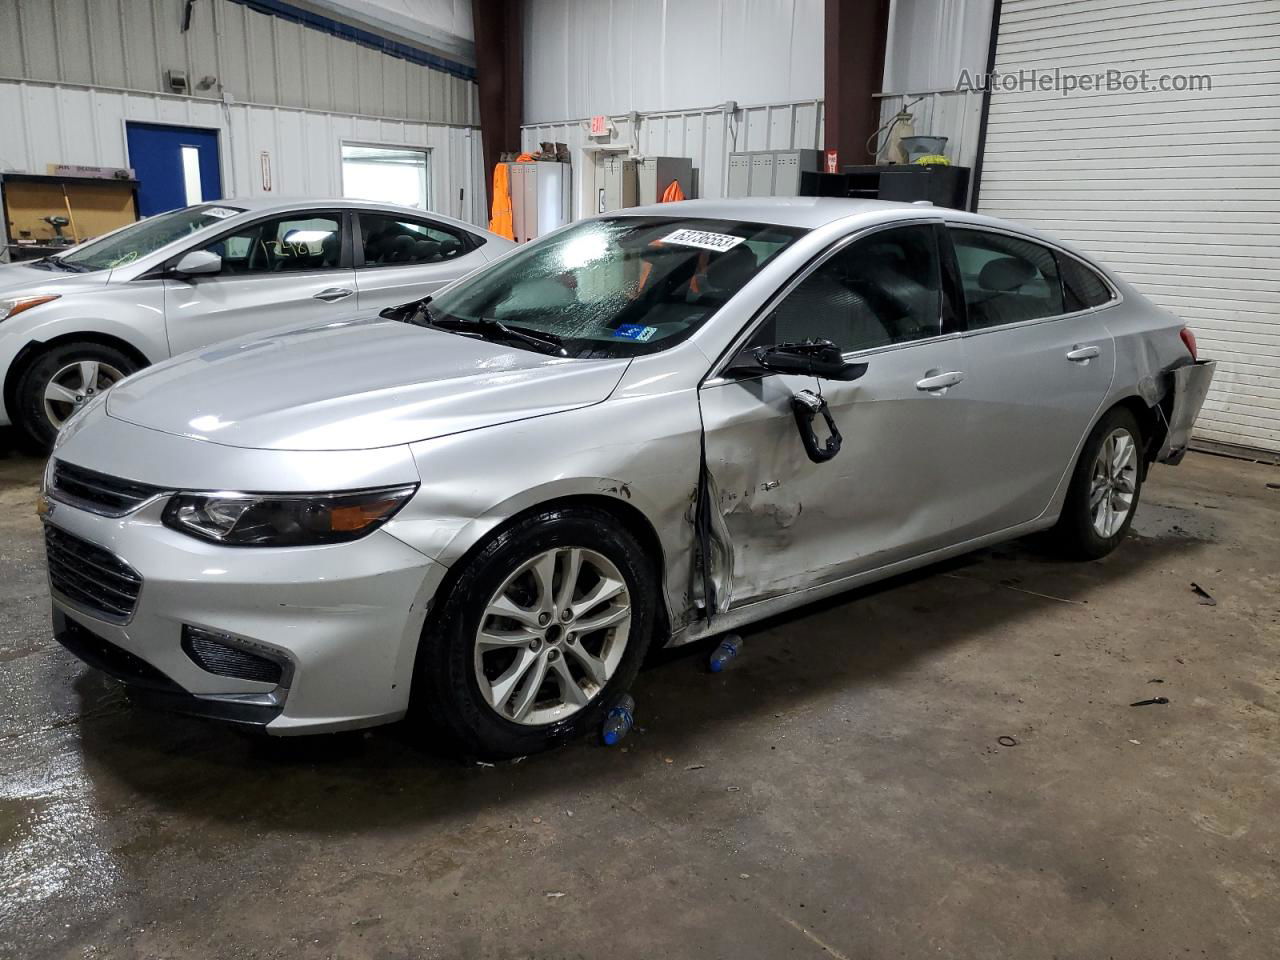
(1190, 385)
(345, 620)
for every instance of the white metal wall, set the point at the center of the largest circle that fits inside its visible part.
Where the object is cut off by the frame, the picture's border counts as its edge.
(955, 115)
(256, 58)
(707, 135)
(47, 123)
(1180, 192)
(585, 57)
(931, 46)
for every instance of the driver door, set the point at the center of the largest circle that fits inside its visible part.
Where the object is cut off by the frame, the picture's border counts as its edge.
(786, 523)
(277, 271)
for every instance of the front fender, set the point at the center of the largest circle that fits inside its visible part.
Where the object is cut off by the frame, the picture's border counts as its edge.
(139, 323)
(642, 452)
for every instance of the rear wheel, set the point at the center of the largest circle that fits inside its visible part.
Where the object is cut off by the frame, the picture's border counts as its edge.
(62, 380)
(536, 636)
(1104, 489)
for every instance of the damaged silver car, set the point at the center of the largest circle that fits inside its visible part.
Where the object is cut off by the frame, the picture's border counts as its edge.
(484, 507)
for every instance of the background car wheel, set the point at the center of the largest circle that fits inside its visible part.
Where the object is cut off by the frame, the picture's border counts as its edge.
(537, 634)
(1104, 491)
(61, 380)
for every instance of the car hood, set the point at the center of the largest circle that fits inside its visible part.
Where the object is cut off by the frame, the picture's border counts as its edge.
(17, 279)
(354, 384)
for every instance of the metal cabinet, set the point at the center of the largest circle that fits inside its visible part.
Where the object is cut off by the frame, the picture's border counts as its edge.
(654, 175)
(540, 198)
(770, 173)
(620, 185)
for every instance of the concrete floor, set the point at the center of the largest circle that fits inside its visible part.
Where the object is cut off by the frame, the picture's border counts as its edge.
(841, 791)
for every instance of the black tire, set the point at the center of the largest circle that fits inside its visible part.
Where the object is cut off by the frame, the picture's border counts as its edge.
(1074, 535)
(32, 417)
(446, 694)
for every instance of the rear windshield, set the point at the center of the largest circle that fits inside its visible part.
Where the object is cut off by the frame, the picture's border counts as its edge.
(619, 286)
(146, 236)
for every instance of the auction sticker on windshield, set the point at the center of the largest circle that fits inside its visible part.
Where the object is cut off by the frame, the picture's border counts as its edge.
(703, 240)
(220, 212)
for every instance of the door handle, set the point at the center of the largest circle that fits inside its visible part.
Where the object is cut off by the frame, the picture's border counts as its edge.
(334, 294)
(1082, 354)
(938, 382)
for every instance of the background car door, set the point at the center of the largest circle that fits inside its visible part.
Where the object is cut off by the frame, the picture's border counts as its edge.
(399, 259)
(890, 493)
(289, 268)
(1037, 375)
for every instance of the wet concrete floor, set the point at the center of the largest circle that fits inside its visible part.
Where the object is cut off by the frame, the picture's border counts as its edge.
(842, 792)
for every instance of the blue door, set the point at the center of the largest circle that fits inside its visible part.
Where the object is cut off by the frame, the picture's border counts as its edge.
(175, 166)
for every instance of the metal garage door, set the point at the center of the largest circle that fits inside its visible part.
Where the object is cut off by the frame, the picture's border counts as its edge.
(1177, 190)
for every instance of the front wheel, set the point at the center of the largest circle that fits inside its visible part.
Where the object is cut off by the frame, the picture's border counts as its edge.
(1104, 491)
(537, 634)
(62, 380)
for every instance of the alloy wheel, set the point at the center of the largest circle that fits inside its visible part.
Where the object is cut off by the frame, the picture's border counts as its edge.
(1113, 483)
(552, 635)
(75, 385)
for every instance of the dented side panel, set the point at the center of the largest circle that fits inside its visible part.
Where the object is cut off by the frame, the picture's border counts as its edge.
(783, 522)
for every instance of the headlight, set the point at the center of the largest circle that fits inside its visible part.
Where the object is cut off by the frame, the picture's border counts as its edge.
(284, 520)
(11, 306)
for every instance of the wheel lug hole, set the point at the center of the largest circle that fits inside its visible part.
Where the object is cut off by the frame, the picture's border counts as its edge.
(544, 619)
(567, 615)
(553, 654)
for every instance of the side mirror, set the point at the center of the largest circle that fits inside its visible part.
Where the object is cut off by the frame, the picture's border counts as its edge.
(198, 263)
(812, 358)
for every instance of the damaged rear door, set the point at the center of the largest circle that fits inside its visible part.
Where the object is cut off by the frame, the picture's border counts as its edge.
(779, 521)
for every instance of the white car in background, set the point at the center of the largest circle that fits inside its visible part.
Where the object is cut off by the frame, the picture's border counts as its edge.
(74, 323)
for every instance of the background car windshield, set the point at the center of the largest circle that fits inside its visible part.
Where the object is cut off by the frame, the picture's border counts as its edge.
(620, 286)
(147, 236)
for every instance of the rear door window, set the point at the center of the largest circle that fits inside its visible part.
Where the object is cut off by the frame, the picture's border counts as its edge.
(1006, 279)
(390, 241)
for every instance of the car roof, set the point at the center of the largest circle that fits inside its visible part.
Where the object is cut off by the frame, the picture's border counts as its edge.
(812, 213)
(284, 204)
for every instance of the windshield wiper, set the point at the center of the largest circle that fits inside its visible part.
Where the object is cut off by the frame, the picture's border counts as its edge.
(488, 329)
(56, 261)
(485, 328)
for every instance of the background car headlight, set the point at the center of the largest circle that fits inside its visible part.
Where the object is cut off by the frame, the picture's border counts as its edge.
(285, 520)
(10, 306)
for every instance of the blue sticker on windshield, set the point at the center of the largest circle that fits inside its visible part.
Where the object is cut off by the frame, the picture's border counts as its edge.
(635, 331)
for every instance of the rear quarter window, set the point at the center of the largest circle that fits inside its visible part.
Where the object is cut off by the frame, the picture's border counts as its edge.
(1081, 286)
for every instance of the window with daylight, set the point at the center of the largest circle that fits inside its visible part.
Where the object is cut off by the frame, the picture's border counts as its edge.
(385, 174)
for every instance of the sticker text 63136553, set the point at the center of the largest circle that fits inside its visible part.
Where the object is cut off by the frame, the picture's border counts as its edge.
(702, 239)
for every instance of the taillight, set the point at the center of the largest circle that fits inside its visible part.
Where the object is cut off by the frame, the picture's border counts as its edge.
(1189, 339)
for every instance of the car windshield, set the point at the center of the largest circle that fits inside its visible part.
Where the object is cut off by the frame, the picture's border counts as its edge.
(616, 287)
(144, 237)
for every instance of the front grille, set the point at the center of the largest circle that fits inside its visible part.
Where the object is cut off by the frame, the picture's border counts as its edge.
(98, 492)
(228, 661)
(87, 575)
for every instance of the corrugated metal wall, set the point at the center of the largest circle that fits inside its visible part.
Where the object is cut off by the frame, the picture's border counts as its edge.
(256, 58)
(1177, 189)
(707, 135)
(60, 124)
(585, 57)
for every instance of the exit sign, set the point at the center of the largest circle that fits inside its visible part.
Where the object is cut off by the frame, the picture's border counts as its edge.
(599, 126)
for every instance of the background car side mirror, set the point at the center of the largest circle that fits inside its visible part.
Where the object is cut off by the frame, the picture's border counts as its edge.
(197, 263)
(814, 358)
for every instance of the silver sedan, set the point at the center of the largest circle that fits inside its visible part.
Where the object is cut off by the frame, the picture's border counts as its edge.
(482, 508)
